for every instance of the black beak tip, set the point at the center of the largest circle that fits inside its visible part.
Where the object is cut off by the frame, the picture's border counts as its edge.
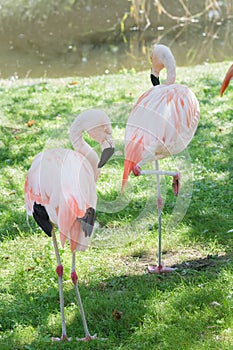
(105, 156)
(155, 80)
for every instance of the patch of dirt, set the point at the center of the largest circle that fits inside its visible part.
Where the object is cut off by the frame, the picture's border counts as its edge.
(191, 260)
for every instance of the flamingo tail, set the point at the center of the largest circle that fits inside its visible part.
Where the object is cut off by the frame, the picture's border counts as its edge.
(128, 167)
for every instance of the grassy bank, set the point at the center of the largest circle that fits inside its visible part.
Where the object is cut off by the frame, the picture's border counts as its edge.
(189, 309)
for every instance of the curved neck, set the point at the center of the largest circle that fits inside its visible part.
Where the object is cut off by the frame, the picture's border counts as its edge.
(171, 72)
(162, 57)
(81, 146)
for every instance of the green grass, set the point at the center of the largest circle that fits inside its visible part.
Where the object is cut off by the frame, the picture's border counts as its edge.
(191, 308)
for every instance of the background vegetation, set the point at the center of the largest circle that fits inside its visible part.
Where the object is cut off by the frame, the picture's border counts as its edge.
(188, 309)
(69, 37)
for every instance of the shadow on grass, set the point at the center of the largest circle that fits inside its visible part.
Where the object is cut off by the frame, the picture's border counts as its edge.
(210, 212)
(14, 223)
(138, 297)
(213, 226)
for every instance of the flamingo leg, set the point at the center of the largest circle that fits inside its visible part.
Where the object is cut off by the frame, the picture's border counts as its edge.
(161, 267)
(159, 208)
(176, 187)
(74, 278)
(59, 271)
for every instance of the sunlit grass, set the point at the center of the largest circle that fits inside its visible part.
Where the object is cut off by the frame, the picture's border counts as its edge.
(190, 309)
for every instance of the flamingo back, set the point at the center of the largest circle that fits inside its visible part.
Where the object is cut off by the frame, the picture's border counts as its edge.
(63, 182)
(162, 123)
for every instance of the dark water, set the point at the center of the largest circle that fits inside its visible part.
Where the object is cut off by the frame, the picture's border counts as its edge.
(96, 43)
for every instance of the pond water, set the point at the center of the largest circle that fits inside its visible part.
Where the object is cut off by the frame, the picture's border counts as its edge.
(53, 50)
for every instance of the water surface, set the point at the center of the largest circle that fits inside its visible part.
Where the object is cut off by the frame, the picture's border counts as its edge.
(96, 39)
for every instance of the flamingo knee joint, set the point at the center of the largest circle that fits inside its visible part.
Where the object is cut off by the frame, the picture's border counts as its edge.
(59, 270)
(74, 277)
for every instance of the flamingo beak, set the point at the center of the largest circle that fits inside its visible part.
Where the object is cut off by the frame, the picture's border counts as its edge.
(155, 80)
(107, 151)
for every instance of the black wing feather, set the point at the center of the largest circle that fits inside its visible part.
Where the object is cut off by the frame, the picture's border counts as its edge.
(42, 219)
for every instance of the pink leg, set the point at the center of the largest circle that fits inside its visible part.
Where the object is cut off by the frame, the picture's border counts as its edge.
(74, 278)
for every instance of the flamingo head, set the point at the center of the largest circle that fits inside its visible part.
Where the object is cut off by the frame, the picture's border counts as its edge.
(98, 125)
(162, 57)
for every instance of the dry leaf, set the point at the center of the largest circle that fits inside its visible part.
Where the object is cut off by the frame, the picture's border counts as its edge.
(30, 123)
(74, 83)
(117, 314)
(12, 192)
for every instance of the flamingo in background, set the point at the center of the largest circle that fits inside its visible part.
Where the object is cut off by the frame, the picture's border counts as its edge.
(60, 189)
(162, 123)
(226, 81)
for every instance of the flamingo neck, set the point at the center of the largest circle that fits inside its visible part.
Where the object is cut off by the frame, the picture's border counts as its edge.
(82, 147)
(162, 57)
(171, 73)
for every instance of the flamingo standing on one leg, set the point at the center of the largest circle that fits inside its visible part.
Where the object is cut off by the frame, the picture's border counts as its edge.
(60, 189)
(226, 81)
(162, 123)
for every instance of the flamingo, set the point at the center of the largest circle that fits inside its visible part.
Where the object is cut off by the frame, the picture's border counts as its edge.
(162, 123)
(226, 81)
(60, 189)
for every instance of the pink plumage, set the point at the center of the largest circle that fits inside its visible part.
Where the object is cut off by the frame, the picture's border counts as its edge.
(163, 120)
(162, 123)
(63, 181)
(60, 189)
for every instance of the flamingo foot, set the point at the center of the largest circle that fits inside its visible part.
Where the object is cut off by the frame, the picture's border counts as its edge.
(87, 338)
(63, 338)
(176, 184)
(160, 269)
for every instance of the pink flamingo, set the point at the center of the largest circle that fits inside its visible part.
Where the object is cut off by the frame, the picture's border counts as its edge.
(226, 81)
(60, 189)
(161, 123)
